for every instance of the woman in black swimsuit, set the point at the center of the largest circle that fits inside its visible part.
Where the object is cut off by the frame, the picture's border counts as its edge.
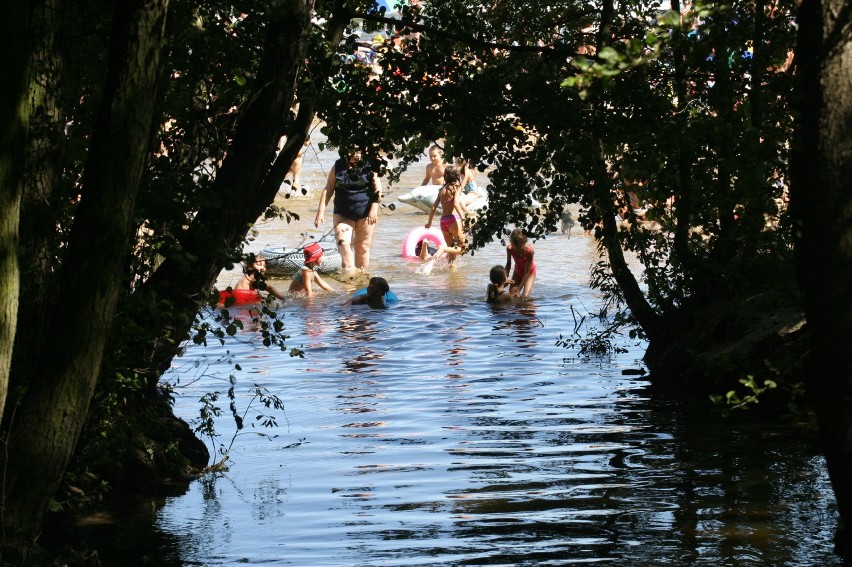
(357, 193)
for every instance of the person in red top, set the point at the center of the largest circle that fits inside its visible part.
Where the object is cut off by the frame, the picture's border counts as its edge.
(253, 281)
(523, 255)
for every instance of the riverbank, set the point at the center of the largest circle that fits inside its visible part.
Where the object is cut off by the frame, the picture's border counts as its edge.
(758, 334)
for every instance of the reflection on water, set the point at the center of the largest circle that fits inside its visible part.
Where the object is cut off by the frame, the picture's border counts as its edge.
(444, 431)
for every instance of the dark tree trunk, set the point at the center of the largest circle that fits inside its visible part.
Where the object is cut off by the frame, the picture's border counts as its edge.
(641, 310)
(821, 203)
(14, 50)
(39, 205)
(48, 423)
(685, 155)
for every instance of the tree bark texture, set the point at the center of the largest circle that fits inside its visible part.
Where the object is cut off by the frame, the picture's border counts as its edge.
(49, 421)
(14, 118)
(39, 211)
(821, 202)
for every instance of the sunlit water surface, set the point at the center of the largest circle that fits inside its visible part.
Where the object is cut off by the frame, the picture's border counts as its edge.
(444, 431)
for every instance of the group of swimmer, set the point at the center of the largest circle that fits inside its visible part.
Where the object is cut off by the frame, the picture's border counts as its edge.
(376, 294)
(357, 193)
(502, 289)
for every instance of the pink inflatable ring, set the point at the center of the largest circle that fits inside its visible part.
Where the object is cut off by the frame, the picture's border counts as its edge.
(420, 234)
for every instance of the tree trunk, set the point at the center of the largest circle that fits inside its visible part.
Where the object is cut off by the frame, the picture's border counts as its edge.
(821, 203)
(246, 182)
(39, 210)
(642, 311)
(14, 50)
(48, 424)
(685, 155)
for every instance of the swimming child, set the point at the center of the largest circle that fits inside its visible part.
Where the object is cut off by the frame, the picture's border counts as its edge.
(376, 296)
(452, 212)
(496, 292)
(425, 249)
(523, 254)
(307, 275)
(252, 283)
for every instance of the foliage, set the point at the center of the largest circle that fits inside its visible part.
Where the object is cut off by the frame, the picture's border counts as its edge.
(768, 381)
(209, 410)
(578, 103)
(222, 68)
(590, 339)
(752, 391)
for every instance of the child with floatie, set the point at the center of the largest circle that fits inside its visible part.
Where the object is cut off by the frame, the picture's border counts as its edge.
(252, 283)
(377, 294)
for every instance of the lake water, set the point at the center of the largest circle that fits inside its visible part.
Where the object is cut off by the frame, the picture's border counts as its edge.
(444, 431)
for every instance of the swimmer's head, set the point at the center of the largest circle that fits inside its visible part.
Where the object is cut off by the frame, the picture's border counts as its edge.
(498, 275)
(451, 175)
(313, 253)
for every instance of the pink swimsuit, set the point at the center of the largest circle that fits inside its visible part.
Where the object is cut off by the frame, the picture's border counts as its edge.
(447, 221)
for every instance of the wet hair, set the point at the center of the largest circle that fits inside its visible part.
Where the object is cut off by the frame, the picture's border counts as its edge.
(451, 175)
(518, 238)
(498, 276)
(380, 284)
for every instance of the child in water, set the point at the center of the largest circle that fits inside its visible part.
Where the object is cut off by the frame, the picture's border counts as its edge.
(307, 275)
(425, 249)
(375, 297)
(428, 254)
(496, 291)
(523, 254)
(252, 283)
(435, 168)
(452, 215)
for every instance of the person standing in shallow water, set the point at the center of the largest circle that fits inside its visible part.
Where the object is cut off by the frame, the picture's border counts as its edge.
(453, 212)
(435, 168)
(357, 193)
(523, 254)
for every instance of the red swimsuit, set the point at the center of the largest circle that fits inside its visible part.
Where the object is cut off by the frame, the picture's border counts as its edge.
(521, 260)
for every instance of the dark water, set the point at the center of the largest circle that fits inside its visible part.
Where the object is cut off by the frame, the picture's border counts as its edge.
(444, 431)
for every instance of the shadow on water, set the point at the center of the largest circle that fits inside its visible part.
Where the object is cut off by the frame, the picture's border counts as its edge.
(626, 480)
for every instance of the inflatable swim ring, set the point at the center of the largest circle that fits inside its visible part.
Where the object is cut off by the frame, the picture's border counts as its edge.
(390, 297)
(241, 296)
(418, 234)
(285, 262)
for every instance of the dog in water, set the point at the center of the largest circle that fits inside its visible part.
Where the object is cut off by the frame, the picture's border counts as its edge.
(568, 222)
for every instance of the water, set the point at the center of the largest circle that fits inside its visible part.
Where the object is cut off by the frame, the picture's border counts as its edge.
(444, 431)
